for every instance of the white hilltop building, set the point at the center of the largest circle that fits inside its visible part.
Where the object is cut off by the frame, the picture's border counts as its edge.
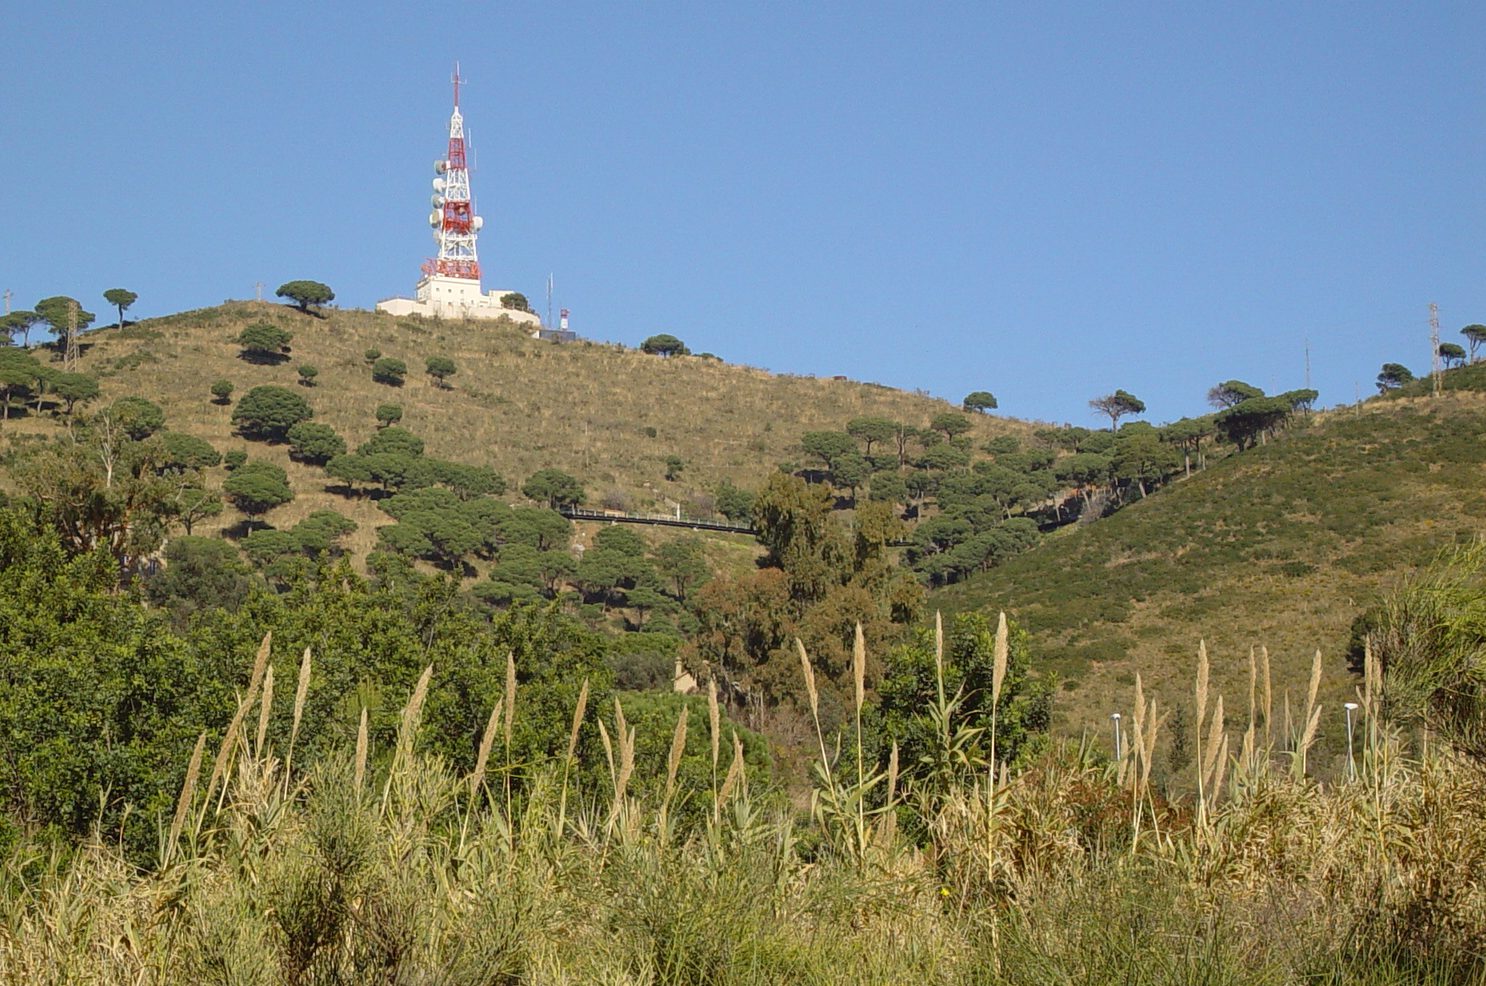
(450, 286)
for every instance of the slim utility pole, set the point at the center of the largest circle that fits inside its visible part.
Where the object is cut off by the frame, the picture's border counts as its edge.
(1307, 364)
(259, 287)
(549, 301)
(1434, 348)
(7, 301)
(70, 359)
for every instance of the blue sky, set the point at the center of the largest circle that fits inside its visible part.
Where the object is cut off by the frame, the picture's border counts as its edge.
(1047, 201)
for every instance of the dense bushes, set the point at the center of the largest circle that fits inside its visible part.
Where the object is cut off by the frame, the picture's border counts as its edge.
(99, 697)
(103, 697)
(1430, 637)
(393, 459)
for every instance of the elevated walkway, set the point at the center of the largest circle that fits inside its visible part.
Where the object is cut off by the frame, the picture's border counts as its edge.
(657, 520)
(667, 520)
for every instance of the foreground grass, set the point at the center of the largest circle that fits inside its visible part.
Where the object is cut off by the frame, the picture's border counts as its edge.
(383, 867)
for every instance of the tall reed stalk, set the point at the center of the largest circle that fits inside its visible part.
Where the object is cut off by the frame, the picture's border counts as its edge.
(580, 708)
(301, 695)
(843, 808)
(1375, 882)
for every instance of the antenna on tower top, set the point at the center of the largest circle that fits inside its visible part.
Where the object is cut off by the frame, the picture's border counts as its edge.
(457, 81)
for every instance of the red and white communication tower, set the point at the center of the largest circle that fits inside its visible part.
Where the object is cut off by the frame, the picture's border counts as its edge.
(455, 225)
(450, 286)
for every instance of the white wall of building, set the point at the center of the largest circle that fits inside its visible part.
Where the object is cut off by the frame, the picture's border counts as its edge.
(455, 297)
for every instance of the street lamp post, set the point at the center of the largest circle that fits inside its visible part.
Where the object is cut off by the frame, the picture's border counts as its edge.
(1119, 754)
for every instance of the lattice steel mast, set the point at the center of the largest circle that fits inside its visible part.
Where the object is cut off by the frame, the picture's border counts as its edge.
(455, 225)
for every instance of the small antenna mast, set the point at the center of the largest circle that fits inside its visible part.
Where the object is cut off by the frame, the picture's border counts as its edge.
(70, 358)
(1307, 363)
(549, 301)
(1434, 348)
(7, 301)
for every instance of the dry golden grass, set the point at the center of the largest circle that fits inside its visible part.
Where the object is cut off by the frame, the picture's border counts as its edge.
(607, 414)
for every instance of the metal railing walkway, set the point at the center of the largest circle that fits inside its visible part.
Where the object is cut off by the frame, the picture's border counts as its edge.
(667, 520)
(658, 520)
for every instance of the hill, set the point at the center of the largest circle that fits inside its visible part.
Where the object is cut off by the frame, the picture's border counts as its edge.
(609, 415)
(1283, 545)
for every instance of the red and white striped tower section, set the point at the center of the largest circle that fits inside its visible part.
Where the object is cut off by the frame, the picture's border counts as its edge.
(455, 225)
(450, 285)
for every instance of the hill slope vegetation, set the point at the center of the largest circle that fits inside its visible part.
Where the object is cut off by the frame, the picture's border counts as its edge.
(605, 413)
(1281, 546)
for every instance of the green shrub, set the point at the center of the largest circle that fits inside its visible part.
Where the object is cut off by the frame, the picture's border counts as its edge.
(200, 574)
(139, 418)
(440, 368)
(268, 412)
(187, 452)
(664, 345)
(314, 443)
(255, 488)
(389, 371)
(263, 342)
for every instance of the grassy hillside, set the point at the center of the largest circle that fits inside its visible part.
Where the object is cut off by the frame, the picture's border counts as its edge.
(1281, 546)
(607, 414)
